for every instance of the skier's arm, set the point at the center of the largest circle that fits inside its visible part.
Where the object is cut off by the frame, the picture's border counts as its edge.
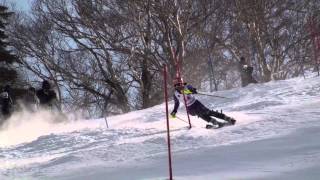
(176, 106)
(190, 90)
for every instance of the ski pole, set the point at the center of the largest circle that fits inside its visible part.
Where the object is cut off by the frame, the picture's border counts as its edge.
(212, 95)
(179, 118)
(182, 119)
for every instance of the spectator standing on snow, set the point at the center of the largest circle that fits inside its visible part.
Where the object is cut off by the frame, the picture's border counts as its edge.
(6, 103)
(246, 73)
(47, 96)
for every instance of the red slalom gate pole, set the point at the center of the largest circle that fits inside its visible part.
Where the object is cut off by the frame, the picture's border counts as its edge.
(178, 75)
(167, 116)
(185, 103)
(315, 36)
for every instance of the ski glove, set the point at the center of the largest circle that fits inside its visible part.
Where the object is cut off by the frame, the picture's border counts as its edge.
(173, 114)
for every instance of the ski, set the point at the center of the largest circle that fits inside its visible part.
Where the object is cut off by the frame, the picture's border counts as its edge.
(221, 125)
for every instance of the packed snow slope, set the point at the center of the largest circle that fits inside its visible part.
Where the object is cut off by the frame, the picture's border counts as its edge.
(276, 137)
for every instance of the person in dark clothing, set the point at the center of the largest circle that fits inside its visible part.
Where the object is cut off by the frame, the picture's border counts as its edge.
(6, 102)
(48, 100)
(30, 100)
(47, 96)
(195, 107)
(246, 73)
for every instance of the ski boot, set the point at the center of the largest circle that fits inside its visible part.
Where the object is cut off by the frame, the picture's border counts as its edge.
(230, 120)
(214, 124)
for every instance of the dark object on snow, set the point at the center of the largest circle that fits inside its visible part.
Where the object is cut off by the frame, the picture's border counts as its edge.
(195, 107)
(6, 103)
(47, 96)
(246, 73)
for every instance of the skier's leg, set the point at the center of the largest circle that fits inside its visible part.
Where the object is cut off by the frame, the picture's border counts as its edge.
(222, 116)
(216, 123)
(204, 113)
(230, 120)
(212, 121)
(196, 110)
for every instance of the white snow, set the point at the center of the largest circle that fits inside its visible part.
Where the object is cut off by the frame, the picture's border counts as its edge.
(276, 137)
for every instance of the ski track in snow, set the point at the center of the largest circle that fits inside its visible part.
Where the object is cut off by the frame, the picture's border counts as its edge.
(263, 111)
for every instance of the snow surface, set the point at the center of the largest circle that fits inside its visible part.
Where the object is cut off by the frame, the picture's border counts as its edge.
(276, 137)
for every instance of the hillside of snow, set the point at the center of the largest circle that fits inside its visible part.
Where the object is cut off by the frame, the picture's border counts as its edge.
(276, 137)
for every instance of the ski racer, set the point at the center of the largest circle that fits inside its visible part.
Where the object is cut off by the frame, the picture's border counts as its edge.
(195, 107)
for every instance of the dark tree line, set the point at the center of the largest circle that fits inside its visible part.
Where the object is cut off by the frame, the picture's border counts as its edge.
(9, 63)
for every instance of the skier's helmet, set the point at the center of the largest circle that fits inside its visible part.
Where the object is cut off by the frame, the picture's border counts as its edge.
(177, 82)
